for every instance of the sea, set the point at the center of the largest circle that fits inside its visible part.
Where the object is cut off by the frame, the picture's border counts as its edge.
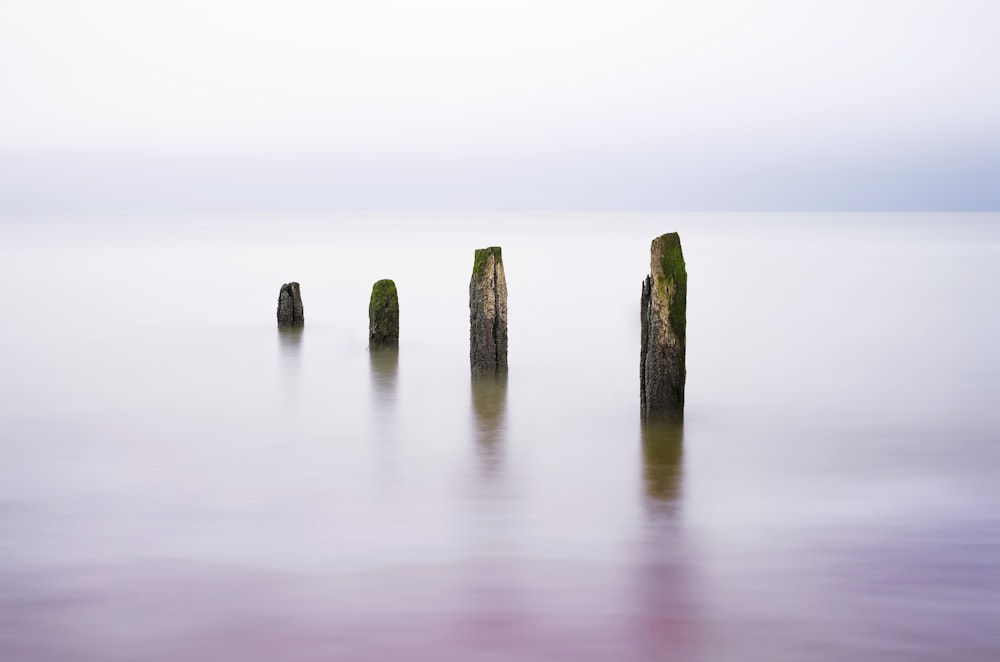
(180, 479)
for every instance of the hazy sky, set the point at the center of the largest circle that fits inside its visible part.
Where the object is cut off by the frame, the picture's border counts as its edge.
(567, 104)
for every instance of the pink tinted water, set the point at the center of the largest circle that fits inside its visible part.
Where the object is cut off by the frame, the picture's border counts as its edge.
(179, 480)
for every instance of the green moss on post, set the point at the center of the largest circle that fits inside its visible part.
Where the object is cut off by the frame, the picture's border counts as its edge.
(383, 315)
(673, 270)
(662, 369)
(482, 258)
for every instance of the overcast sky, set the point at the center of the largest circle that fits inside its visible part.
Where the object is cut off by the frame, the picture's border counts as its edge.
(482, 104)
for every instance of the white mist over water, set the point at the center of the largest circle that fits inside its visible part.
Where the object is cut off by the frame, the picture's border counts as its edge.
(549, 104)
(181, 480)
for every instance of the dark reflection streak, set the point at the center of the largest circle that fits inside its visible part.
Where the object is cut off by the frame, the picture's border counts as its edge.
(489, 403)
(290, 338)
(385, 368)
(667, 612)
(492, 614)
(662, 458)
(384, 371)
(290, 347)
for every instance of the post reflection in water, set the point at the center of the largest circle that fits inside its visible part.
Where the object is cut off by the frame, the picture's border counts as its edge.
(664, 595)
(290, 338)
(493, 610)
(662, 457)
(489, 403)
(384, 372)
(290, 346)
(385, 368)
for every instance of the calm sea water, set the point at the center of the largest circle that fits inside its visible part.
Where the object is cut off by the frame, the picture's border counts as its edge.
(180, 481)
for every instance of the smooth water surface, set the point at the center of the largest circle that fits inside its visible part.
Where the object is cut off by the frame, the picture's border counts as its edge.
(181, 480)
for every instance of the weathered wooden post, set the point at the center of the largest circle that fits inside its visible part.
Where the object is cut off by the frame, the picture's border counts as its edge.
(383, 315)
(662, 370)
(290, 311)
(488, 313)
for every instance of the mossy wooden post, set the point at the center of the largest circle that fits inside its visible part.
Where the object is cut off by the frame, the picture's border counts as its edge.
(662, 371)
(383, 315)
(290, 311)
(488, 313)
